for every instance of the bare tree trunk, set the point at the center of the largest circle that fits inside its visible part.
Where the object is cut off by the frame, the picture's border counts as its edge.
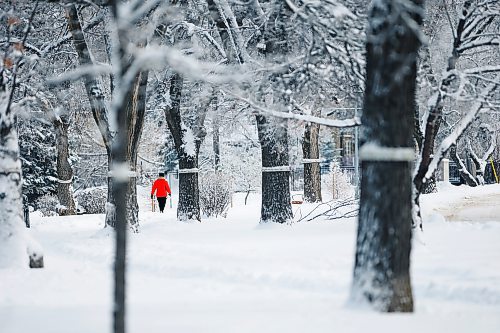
(64, 169)
(120, 163)
(188, 207)
(134, 109)
(189, 191)
(12, 246)
(312, 171)
(383, 246)
(189, 195)
(273, 133)
(273, 137)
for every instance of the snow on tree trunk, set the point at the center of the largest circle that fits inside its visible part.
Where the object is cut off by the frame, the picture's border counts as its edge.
(188, 207)
(383, 246)
(312, 171)
(134, 106)
(12, 240)
(273, 137)
(124, 111)
(187, 141)
(189, 192)
(134, 110)
(64, 169)
(14, 249)
(272, 132)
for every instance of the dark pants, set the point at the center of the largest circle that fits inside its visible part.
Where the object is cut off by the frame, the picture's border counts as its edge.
(161, 203)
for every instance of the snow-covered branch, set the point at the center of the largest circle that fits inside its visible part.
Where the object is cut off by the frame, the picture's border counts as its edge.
(345, 123)
(458, 130)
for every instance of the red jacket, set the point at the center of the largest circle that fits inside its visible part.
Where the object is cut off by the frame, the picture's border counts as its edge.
(161, 187)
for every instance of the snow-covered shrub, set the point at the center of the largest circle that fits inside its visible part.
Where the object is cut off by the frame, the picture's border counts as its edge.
(215, 194)
(47, 205)
(92, 199)
(338, 183)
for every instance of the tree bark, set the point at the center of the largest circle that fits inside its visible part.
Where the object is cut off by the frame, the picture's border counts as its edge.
(135, 110)
(12, 244)
(312, 171)
(120, 162)
(273, 137)
(64, 169)
(189, 191)
(383, 246)
(273, 133)
(188, 207)
(134, 106)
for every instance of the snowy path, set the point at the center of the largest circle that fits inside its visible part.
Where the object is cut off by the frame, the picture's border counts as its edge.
(480, 204)
(232, 275)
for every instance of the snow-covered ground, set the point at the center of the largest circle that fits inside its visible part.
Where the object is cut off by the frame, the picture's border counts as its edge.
(234, 275)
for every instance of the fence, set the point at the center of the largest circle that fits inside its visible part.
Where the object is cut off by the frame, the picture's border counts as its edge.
(350, 172)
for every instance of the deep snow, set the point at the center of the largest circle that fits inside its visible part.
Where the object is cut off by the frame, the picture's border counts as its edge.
(234, 275)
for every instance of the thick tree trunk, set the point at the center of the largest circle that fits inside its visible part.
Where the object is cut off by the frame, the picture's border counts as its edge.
(64, 169)
(383, 246)
(14, 250)
(134, 106)
(120, 188)
(122, 165)
(276, 204)
(188, 207)
(136, 110)
(12, 245)
(189, 192)
(272, 132)
(312, 171)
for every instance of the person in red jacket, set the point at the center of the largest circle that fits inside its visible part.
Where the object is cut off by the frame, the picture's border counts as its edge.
(162, 189)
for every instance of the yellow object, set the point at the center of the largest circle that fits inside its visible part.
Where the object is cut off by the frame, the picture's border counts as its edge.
(494, 171)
